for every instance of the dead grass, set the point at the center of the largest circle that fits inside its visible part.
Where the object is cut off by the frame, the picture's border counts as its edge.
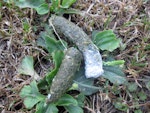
(15, 43)
(130, 20)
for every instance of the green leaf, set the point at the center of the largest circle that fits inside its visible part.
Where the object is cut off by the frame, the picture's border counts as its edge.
(66, 100)
(51, 109)
(26, 25)
(31, 95)
(43, 84)
(132, 87)
(55, 5)
(41, 42)
(121, 106)
(53, 45)
(42, 108)
(55, 48)
(43, 9)
(48, 33)
(29, 89)
(48, 41)
(114, 74)
(138, 111)
(70, 11)
(114, 63)
(106, 40)
(67, 3)
(25, 91)
(29, 3)
(57, 58)
(74, 109)
(29, 102)
(27, 68)
(85, 85)
(142, 95)
(80, 98)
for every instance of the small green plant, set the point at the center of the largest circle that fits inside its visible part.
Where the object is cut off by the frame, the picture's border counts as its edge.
(133, 94)
(121, 106)
(31, 93)
(32, 97)
(43, 7)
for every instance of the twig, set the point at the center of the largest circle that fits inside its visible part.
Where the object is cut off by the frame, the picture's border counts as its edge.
(57, 34)
(92, 111)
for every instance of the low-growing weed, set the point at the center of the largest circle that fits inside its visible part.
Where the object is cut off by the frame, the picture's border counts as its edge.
(31, 93)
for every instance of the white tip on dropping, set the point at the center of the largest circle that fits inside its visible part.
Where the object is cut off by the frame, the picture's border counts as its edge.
(93, 62)
(49, 96)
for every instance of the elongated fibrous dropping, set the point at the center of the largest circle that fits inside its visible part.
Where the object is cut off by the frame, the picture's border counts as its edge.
(64, 77)
(92, 57)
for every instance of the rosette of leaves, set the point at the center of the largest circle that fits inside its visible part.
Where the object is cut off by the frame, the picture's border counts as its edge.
(82, 84)
(43, 7)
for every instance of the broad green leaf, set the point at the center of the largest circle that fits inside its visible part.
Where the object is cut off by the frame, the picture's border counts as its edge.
(74, 109)
(114, 63)
(51, 109)
(29, 3)
(27, 68)
(67, 100)
(42, 108)
(48, 33)
(106, 40)
(48, 41)
(57, 58)
(114, 74)
(53, 45)
(25, 91)
(42, 9)
(41, 42)
(29, 102)
(67, 3)
(31, 95)
(85, 85)
(31, 90)
(80, 98)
